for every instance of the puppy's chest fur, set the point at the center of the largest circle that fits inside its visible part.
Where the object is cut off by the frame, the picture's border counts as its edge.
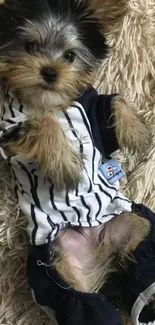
(73, 122)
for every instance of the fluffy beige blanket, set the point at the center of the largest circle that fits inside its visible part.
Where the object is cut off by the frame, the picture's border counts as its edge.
(130, 70)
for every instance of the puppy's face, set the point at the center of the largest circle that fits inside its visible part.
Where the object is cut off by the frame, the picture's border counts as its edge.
(49, 49)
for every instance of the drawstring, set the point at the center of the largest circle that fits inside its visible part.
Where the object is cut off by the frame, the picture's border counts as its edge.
(40, 263)
(64, 288)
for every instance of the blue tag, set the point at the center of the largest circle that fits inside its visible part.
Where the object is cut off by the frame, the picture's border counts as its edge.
(112, 170)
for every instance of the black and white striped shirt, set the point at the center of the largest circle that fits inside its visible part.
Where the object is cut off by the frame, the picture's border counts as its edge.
(94, 201)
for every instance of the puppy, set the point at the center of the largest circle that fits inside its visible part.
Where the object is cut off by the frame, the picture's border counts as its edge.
(60, 130)
(48, 61)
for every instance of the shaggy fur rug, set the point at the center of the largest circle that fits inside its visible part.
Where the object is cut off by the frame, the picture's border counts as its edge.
(129, 70)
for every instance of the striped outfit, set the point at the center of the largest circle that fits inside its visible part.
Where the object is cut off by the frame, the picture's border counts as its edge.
(93, 202)
(89, 125)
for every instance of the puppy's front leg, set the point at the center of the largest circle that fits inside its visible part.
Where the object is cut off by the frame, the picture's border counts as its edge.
(43, 140)
(131, 131)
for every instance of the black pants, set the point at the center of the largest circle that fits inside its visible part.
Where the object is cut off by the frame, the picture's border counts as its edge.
(72, 307)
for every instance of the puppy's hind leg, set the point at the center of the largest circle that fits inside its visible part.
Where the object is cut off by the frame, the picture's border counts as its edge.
(131, 130)
(118, 239)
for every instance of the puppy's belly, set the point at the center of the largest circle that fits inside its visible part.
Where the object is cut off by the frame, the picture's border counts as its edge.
(79, 244)
(88, 255)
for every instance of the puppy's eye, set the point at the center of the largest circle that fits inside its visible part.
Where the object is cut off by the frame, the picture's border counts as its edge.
(32, 46)
(69, 56)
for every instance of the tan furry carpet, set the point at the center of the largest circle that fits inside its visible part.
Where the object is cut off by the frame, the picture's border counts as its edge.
(130, 70)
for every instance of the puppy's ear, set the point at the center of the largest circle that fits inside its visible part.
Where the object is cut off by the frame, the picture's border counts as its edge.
(109, 12)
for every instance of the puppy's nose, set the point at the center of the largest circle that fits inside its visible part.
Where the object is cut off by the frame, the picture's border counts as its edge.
(49, 74)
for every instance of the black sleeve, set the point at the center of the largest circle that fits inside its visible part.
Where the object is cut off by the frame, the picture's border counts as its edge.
(99, 112)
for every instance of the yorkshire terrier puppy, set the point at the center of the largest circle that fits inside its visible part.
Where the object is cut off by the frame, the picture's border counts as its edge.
(49, 54)
(48, 62)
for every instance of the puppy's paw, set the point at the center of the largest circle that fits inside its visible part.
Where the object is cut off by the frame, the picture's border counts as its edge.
(70, 167)
(42, 139)
(131, 130)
